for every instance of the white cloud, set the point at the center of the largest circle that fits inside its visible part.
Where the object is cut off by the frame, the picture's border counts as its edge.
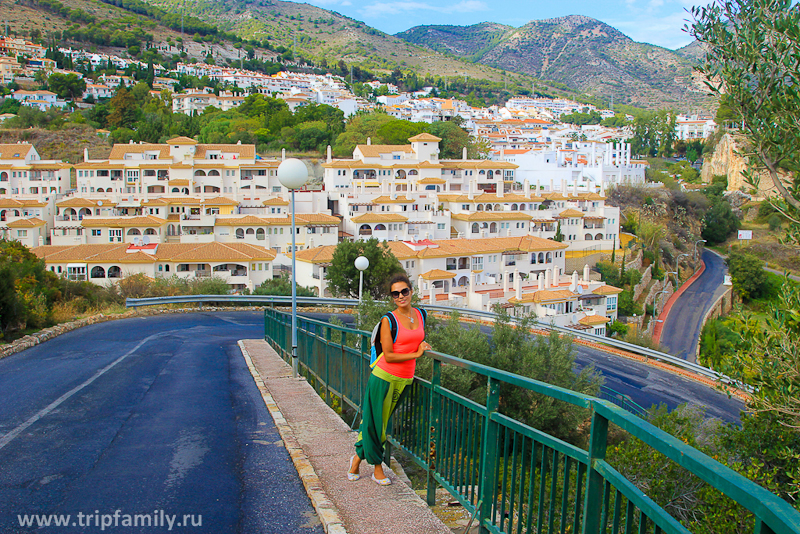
(380, 9)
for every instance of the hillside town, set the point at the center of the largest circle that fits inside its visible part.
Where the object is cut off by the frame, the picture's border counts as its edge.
(470, 232)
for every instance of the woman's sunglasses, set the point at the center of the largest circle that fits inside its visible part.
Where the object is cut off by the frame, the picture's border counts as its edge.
(404, 292)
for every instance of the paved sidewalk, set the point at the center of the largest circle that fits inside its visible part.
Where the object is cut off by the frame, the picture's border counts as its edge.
(327, 442)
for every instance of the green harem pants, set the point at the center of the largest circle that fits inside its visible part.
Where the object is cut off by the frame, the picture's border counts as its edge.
(381, 398)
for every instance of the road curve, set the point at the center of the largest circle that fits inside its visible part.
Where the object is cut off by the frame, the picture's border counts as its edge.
(681, 331)
(644, 384)
(145, 415)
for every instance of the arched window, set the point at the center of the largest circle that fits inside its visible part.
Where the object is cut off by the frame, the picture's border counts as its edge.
(260, 234)
(493, 228)
(380, 227)
(213, 173)
(365, 230)
(185, 190)
(479, 208)
(549, 257)
(514, 207)
(175, 190)
(115, 272)
(150, 231)
(497, 207)
(199, 173)
(98, 272)
(475, 228)
(100, 190)
(484, 226)
(239, 233)
(541, 257)
(166, 267)
(598, 237)
(588, 237)
(463, 281)
(430, 188)
(533, 259)
(400, 174)
(250, 231)
(488, 207)
(412, 173)
(134, 231)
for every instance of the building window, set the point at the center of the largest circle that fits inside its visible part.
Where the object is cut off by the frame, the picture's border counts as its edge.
(96, 232)
(611, 303)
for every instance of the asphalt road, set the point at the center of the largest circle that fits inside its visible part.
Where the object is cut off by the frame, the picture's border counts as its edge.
(644, 384)
(681, 332)
(160, 413)
(144, 416)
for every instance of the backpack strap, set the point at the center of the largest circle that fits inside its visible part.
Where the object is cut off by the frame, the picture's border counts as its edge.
(424, 315)
(393, 324)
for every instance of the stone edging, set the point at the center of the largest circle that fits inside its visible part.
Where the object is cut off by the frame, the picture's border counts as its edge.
(326, 511)
(668, 306)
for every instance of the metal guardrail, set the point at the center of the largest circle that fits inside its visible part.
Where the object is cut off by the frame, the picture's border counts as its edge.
(490, 316)
(513, 477)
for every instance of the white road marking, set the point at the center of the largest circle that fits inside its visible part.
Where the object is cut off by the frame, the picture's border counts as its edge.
(6, 439)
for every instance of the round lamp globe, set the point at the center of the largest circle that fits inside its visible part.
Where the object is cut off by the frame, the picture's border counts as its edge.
(292, 173)
(361, 263)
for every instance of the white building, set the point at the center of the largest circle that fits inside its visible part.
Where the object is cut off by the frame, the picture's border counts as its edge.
(689, 128)
(241, 265)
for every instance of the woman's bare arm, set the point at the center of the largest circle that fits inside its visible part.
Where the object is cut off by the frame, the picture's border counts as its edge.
(388, 345)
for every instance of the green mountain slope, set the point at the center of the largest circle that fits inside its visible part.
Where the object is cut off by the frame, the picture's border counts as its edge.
(581, 52)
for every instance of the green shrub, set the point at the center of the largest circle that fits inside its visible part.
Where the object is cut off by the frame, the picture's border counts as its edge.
(774, 222)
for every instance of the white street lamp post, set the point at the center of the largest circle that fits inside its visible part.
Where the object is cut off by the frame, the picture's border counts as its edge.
(292, 174)
(361, 264)
(695, 247)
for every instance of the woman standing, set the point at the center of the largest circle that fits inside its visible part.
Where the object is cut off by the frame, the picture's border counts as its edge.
(391, 375)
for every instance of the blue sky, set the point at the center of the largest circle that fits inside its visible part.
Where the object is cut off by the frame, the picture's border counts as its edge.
(658, 22)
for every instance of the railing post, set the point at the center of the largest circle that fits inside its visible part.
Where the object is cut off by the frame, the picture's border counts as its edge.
(326, 348)
(489, 455)
(434, 410)
(593, 501)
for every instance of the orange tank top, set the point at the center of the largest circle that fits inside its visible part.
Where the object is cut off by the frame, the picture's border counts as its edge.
(407, 341)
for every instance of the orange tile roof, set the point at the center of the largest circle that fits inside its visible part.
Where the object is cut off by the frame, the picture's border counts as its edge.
(607, 290)
(594, 320)
(26, 223)
(425, 137)
(379, 218)
(437, 274)
(569, 213)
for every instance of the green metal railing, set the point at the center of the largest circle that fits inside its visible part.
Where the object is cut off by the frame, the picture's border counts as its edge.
(514, 478)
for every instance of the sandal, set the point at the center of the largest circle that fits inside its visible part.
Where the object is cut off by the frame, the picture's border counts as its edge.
(382, 481)
(352, 476)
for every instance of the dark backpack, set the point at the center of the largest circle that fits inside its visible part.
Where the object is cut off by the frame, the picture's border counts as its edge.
(376, 351)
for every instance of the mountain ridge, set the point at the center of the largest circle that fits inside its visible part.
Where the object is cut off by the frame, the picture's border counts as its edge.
(579, 51)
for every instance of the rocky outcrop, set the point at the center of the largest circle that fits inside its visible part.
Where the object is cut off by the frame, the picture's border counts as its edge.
(728, 161)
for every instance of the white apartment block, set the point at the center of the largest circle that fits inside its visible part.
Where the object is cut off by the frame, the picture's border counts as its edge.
(241, 265)
(405, 192)
(195, 101)
(689, 128)
(480, 273)
(98, 91)
(581, 165)
(41, 100)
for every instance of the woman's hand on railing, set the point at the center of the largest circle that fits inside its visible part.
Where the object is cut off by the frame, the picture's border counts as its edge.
(422, 348)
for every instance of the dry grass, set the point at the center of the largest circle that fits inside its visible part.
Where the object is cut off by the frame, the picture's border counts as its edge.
(765, 245)
(66, 145)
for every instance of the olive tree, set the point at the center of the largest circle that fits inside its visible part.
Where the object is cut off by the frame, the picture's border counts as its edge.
(753, 59)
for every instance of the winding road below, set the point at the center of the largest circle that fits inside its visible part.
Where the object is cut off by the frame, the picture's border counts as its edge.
(681, 332)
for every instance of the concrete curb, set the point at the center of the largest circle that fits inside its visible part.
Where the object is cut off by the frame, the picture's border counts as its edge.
(326, 511)
(671, 301)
